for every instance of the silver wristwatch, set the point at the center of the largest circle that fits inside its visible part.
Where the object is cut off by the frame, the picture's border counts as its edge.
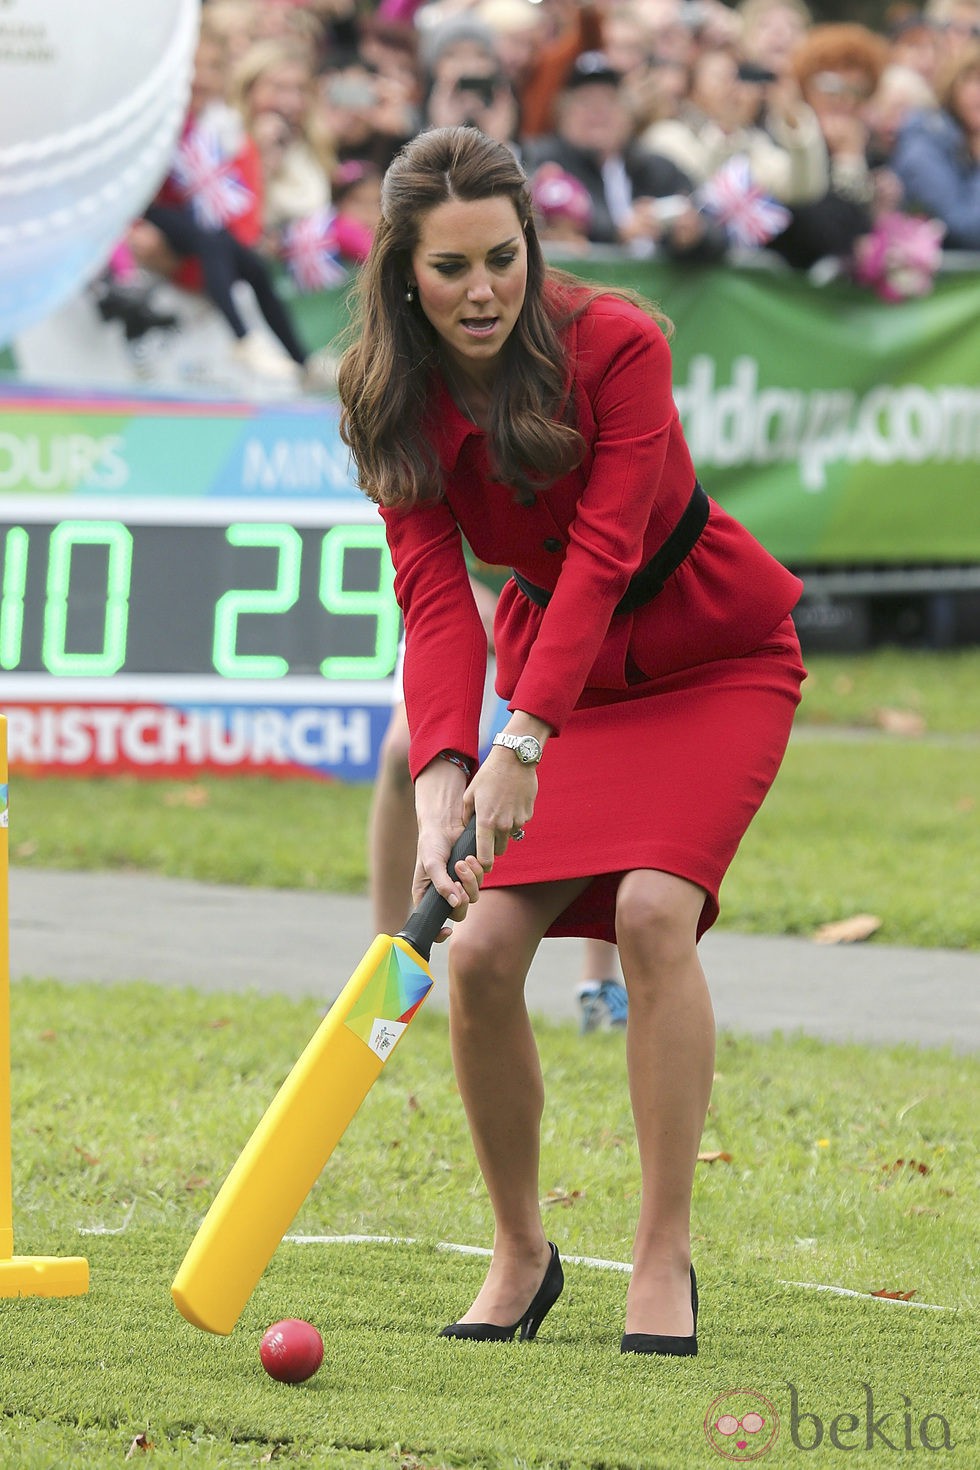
(525, 747)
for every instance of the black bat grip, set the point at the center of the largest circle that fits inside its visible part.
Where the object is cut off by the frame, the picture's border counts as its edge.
(432, 910)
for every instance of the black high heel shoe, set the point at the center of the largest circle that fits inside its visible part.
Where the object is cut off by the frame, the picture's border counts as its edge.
(666, 1347)
(544, 1299)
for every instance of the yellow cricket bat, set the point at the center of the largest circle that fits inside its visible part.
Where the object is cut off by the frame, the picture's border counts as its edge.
(279, 1165)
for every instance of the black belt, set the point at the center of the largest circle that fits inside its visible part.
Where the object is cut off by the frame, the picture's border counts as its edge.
(649, 580)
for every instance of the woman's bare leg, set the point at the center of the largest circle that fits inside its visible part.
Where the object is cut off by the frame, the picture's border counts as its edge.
(670, 1039)
(499, 1076)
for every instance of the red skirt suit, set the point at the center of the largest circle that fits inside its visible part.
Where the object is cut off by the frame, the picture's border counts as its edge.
(671, 720)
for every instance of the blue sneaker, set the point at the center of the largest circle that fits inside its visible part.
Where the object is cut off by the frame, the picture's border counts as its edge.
(602, 1004)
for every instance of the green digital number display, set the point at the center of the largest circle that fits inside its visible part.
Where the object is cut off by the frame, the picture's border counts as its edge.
(110, 656)
(374, 602)
(241, 601)
(267, 600)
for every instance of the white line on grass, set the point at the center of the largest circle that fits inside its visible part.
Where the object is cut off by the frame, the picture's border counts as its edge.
(109, 1229)
(596, 1261)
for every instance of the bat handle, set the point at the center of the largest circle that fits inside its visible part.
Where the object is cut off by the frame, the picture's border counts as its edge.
(432, 910)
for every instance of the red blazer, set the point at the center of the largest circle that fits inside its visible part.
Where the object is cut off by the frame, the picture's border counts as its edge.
(584, 537)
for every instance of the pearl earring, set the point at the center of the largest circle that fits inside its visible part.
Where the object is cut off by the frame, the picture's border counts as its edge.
(409, 292)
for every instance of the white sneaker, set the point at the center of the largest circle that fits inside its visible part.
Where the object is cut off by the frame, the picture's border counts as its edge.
(319, 374)
(258, 355)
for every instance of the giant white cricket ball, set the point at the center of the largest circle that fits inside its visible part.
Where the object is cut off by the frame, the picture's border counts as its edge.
(93, 97)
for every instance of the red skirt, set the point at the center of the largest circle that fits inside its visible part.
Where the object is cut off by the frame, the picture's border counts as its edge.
(667, 779)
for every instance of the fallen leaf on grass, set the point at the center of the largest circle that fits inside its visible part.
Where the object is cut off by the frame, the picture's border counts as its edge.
(195, 1182)
(563, 1197)
(900, 722)
(718, 1156)
(923, 1210)
(24, 849)
(192, 796)
(894, 1296)
(848, 931)
(84, 1154)
(141, 1442)
(48, 1036)
(219, 1023)
(965, 804)
(912, 1164)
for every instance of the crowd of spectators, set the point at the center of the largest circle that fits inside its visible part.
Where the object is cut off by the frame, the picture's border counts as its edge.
(688, 128)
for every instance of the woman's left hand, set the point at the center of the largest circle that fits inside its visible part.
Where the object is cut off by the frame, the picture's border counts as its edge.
(502, 794)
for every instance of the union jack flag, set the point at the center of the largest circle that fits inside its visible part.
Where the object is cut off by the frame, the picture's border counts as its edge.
(206, 176)
(750, 217)
(311, 252)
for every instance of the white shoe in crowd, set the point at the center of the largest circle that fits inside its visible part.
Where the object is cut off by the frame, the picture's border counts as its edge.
(320, 373)
(258, 355)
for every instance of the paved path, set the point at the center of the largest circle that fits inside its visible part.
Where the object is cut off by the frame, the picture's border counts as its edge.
(116, 927)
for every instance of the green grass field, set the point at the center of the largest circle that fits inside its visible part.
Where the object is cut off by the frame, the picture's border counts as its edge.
(156, 1092)
(837, 1166)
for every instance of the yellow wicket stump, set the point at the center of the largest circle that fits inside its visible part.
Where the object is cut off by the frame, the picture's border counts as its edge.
(20, 1275)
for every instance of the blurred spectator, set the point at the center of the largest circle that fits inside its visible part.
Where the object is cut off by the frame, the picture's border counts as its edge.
(771, 31)
(957, 24)
(319, 249)
(627, 38)
(900, 93)
(713, 26)
(482, 98)
(639, 199)
(289, 20)
(367, 116)
(275, 80)
(673, 25)
(235, 24)
(787, 160)
(202, 226)
(457, 46)
(569, 27)
(937, 156)
(356, 189)
(391, 51)
(838, 68)
(654, 86)
(913, 42)
(518, 30)
(562, 210)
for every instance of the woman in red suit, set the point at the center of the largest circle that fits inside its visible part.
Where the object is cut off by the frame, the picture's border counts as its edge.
(644, 647)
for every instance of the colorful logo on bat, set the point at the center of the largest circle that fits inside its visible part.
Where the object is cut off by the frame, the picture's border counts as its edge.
(388, 1001)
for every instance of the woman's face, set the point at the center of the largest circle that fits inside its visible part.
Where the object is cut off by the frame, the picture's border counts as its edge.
(966, 102)
(282, 88)
(470, 271)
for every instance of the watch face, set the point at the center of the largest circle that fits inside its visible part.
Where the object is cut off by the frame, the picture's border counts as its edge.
(529, 750)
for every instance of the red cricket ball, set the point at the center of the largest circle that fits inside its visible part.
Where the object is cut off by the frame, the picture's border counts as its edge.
(291, 1350)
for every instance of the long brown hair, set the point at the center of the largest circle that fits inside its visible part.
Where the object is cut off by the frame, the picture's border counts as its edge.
(387, 372)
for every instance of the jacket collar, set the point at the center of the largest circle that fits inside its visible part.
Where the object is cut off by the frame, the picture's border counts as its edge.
(449, 426)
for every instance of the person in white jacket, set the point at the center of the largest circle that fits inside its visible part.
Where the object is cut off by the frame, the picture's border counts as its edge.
(739, 108)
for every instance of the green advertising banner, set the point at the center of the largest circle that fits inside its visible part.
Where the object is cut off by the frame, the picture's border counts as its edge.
(841, 429)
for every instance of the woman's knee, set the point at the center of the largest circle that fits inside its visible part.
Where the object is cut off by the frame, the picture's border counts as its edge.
(657, 915)
(487, 961)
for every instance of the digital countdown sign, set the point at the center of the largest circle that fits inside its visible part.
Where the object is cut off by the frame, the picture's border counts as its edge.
(165, 636)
